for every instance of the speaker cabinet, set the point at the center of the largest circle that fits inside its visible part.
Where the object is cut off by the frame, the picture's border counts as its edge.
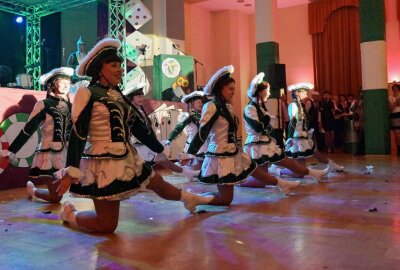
(277, 76)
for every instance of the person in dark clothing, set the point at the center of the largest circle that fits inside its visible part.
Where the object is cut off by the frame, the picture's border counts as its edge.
(394, 106)
(313, 112)
(327, 119)
(341, 112)
(358, 123)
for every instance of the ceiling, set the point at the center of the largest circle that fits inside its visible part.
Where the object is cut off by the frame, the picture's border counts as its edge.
(246, 6)
(39, 7)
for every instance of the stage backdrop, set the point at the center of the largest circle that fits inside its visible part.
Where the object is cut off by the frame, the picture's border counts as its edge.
(167, 68)
(17, 104)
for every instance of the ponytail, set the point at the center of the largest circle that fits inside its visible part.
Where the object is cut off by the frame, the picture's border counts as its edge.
(297, 101)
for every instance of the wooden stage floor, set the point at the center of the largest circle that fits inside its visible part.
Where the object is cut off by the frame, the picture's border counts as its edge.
(352, 221)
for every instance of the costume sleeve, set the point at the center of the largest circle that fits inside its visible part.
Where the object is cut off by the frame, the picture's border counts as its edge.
(251, 117)
(179, 128)
(146, 135)
(81, 112)
(37, 116)
(209, 115)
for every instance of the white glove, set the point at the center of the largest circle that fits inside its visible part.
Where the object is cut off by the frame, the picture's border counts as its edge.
(166, 142)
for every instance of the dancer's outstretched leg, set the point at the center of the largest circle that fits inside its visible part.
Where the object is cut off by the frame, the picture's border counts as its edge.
(49, 194)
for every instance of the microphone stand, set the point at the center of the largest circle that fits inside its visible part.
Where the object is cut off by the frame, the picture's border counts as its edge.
(195, 63)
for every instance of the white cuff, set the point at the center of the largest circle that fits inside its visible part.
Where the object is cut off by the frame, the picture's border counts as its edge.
(73, 172)
(165, 143)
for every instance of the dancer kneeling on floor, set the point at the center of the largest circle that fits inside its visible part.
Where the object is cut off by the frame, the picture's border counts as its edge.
(110, 169)
(136, 95)
(53, 116)
(300, 143)
(189, 123)
(260, 144)
(225, 164)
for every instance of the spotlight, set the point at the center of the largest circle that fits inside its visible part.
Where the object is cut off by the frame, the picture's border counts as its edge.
(19, 19)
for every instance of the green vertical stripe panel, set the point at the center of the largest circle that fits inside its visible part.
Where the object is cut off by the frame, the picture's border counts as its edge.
(376, 122)
(372, 20)
(267, 54)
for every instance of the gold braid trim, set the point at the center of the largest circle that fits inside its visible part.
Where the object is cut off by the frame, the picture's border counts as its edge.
(77, 134)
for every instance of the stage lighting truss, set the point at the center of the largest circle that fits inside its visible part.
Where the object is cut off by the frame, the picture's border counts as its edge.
(117, 29)
(33, 11)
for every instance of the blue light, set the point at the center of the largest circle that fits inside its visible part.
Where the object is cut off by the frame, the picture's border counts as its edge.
(19, 19)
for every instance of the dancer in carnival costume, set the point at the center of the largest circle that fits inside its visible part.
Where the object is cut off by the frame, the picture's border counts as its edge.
(225, 164)
(189, 123)
(136, 95)
(394, 105)
(53, 115)
(260, 144)
(300, 143)
(101, 163)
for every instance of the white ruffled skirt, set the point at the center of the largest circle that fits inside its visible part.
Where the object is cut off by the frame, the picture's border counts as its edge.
(264, 152)
(226, 170)
(46, 163)
(299, 147)
(113, 179)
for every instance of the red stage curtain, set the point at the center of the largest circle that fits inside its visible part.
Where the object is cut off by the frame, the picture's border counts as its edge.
(335, 29)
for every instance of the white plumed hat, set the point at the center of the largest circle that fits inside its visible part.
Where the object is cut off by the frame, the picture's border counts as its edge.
(300, 86)
(220, 74)
(62, 71)
(103, 48)
(191, 96)
(254, 83)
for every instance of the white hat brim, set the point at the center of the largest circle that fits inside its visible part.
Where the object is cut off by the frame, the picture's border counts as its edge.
(97, 49)
(300, 86)
(208, 89)
(194, 94)
(67, 71)
(254, 83)
(134, 88)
